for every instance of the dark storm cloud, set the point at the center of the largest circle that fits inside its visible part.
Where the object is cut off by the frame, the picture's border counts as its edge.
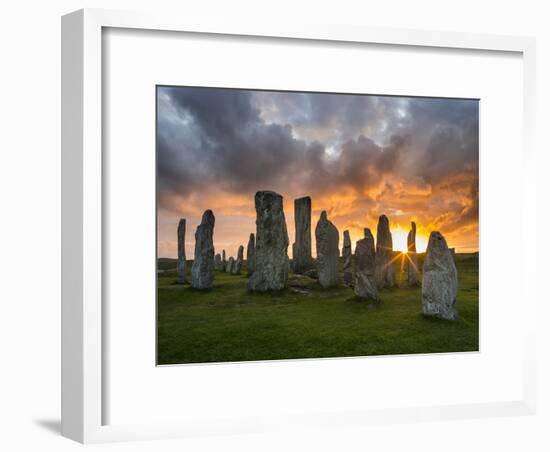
(226, 142)
(299, 143)
(219, 136)
(452, 129)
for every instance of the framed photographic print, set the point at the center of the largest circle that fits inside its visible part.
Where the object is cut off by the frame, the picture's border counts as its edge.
(266, 228)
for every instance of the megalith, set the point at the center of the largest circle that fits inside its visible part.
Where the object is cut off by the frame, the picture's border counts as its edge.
(365, 265)
(229, 265)
(180, 266)
(301, 248)
(270, 256)
(250, 248)
(218, 262)
(347, 260)
(236, 270)
(327, 239)
(202, 271)
(439, 280)
(412, 258)
(384, 254)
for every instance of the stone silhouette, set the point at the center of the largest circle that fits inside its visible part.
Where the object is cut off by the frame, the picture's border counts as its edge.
(250, 254)
(328, 252)
(270, 256)
(347, 264)
(301, 248)
(180, 266)
(412, 258)
(229, 265)
(365, 264)
(384, 254)
(202, 271)
(440, 280)
(236, 270)
(217, 262)
(224, 261)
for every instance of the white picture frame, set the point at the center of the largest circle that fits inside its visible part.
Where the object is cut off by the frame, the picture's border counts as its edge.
(83, 347)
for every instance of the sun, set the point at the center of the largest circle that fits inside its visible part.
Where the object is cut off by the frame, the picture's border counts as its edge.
(399, 237)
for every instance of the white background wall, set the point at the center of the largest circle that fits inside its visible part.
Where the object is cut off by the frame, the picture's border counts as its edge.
(30, 223)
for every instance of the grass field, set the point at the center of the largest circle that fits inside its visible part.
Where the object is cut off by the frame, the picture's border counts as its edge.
(228, 323)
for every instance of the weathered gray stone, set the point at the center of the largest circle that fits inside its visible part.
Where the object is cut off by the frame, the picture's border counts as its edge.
(229, 265)
(328, 251)
(440, 280)
(365, 254)
(202, 271)
(270, 257)
(250, 254)
(347, 260)
(224, 261)
(236, 270)
(384, 254)
(365, 264)
(365, 287)
(412, 258)
(180, 267)
(218, 262)
(301, 248)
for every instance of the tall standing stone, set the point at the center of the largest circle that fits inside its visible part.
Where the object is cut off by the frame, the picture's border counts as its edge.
(440, 280)
(412, 258)
(301, 248)
(229, 265)
(270, 257)
(364, 255)
(328, 252)
(384, 254)
(365, 264)
(347, 264)
(217, 262)
(224, 261)
(202, 271)
(180, 267)
(236, 270)
(250, 248)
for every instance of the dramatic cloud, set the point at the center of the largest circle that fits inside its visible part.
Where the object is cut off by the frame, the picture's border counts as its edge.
(356, 156)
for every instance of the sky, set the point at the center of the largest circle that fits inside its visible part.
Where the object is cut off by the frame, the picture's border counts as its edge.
(356, 156)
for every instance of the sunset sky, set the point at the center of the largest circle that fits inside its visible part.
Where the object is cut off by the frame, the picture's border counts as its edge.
(357, 156)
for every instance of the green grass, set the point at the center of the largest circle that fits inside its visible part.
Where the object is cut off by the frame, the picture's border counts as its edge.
(228, 323)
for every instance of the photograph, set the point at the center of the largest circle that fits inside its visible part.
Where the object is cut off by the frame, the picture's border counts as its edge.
(307, 225)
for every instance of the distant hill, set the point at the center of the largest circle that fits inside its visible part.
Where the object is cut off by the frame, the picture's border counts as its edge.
(166, 263)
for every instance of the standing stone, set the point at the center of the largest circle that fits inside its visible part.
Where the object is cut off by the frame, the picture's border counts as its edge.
(412, 258)
(250, 254)
(270, 257)
(347, 264)
(327, 238)
(229, 265)
(367, 233)
(218, 262)
(365, 263)
(440, 280)
(301, 248)
(384, 254)
(181, 252)
(364, 255)
(202, 271)
(236, 270)
(224, 261)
